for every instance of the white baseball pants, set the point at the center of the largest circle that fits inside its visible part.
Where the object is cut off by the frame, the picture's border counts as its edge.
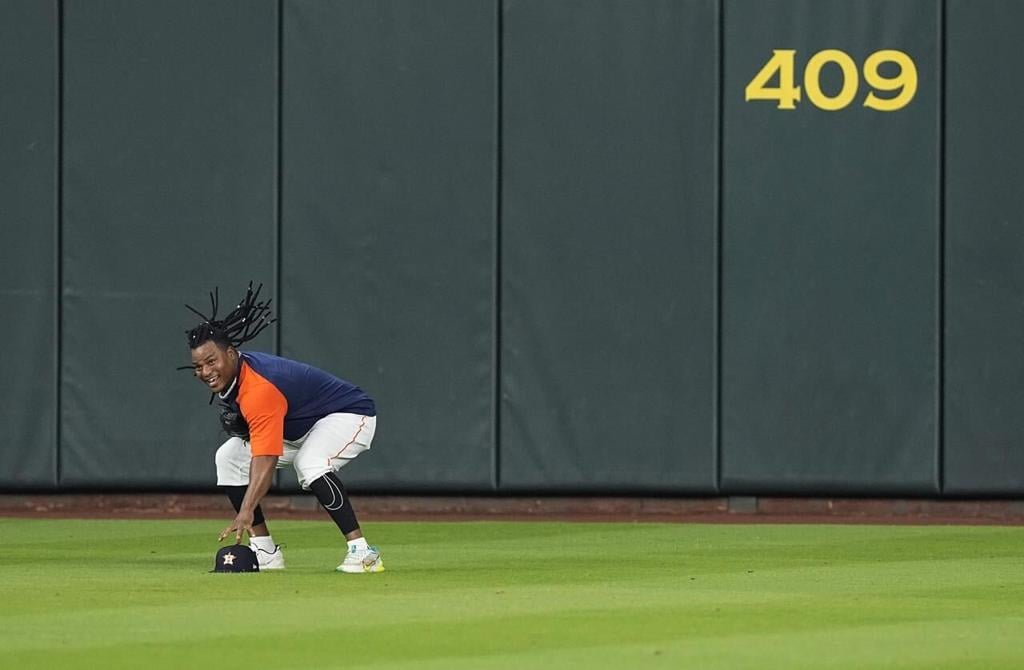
(329, 445)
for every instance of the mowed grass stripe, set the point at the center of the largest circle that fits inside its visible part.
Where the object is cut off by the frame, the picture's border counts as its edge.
(504, 594)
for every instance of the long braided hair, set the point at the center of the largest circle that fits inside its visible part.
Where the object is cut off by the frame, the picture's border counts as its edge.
(250, 318)
(247, 320)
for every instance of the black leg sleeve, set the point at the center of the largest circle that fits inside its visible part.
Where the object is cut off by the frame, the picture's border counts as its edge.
(237, 494)
(332, 496)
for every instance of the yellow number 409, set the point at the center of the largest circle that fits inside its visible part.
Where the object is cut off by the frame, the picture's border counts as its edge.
(787, 94)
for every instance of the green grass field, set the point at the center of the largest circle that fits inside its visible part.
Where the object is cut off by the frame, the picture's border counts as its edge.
(136, 594)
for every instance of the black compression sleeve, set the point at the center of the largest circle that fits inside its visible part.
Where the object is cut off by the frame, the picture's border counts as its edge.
(332, 496)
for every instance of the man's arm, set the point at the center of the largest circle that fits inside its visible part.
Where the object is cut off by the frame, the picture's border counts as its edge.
(261, 476)
(264, 408)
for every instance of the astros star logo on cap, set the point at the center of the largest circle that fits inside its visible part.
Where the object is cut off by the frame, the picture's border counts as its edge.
(234, 557)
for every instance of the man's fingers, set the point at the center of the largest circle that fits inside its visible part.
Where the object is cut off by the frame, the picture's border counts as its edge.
(238, 528)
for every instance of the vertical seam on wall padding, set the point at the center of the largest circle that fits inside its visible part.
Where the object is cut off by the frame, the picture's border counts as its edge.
(940, 308)
(58, 266)
(719, 132)
(496, 299)
(278, 148)
(277, 190)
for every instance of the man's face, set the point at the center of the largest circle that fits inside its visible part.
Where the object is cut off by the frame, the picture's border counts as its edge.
(214, 366)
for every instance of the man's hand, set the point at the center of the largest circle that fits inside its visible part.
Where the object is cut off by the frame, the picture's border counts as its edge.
(261, 474)
(242, 523)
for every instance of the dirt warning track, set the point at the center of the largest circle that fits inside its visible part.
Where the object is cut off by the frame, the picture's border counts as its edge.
(537, 508)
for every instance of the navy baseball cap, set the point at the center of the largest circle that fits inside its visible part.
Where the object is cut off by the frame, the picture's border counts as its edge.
(236, 558)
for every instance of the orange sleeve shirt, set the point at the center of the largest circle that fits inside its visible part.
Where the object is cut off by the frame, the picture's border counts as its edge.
(282, 399)
(264, 408)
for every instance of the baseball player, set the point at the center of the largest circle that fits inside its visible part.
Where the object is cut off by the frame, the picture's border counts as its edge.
(280, 412)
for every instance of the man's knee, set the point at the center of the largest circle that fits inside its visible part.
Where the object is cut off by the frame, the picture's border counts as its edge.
(232, 460)
(309, 468)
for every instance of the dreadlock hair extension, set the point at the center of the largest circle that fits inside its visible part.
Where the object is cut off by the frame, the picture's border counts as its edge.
(247, 320)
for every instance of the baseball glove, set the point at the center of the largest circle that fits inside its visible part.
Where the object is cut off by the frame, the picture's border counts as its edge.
(233, 423)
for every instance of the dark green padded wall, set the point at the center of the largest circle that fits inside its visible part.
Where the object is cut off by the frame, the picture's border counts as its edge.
(388, 224)
(169, 186)
(28, 215)
(830, 234)
(608, 256)
(984, 374)
(394, 231)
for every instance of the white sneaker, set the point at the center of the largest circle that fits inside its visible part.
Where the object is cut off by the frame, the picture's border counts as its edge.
(269, 560)
(361, 560)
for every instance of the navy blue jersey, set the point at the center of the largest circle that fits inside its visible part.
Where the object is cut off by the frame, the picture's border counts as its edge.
(281, 399)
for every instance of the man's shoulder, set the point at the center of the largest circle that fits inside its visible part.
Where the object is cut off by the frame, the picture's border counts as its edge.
(260, 358)
(258, 394)
(270, 366)
(258, 376)
(279, 368)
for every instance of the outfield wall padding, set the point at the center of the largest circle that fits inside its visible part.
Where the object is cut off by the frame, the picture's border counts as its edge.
(387, 239)
(829, 260)
(608, 245)
(169, 190)
(28, 239)
(567, 246)
(984, 280)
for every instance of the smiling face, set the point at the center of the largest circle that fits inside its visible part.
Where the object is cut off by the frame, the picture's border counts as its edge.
(214, 365)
